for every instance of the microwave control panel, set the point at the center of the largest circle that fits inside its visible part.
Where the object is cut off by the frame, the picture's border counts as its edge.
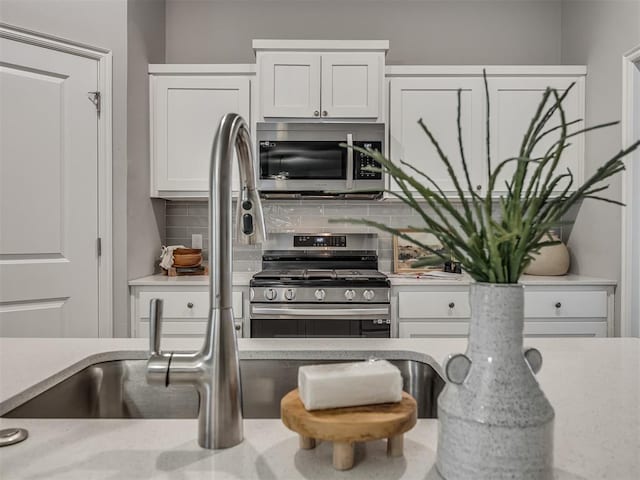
(362, 160)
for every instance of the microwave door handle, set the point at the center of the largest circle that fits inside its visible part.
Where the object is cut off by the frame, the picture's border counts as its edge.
(349, 161)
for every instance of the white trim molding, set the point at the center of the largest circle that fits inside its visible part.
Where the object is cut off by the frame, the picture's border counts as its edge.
(630, 268)
(105, 161)
(202, 69)
(492, 70)
(320, 45)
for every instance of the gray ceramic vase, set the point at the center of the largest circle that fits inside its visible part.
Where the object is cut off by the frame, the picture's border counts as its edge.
(494, 420)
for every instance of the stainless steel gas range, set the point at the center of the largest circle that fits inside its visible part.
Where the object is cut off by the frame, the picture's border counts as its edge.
(320, 285)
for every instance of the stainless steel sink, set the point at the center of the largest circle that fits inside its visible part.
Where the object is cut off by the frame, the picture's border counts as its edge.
(118, 389)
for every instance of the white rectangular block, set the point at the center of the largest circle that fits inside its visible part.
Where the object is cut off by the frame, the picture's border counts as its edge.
(349, 384)
(196, 240)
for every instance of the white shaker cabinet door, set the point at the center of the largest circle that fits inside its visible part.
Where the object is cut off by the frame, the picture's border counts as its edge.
(290, 84)
(514, 102)
(435, 100)
(351, 85)
(185, 113)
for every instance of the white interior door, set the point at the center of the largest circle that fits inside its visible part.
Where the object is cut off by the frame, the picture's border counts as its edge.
(630, 268)
(48, 193)
(634, 207)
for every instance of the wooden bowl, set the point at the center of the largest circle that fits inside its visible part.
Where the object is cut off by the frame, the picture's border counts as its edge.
(187, 260)
(187, 251)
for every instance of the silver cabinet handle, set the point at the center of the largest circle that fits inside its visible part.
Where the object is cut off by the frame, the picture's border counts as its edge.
(155, 325)
(238, 327)
(558, 305)
(324, 113)
(190, 305)
(452, 305)
(316, 113)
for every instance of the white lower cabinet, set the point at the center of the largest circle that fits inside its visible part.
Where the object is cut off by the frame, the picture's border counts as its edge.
(185, 310)
(531, 329)
(433, 329)
(550, 310)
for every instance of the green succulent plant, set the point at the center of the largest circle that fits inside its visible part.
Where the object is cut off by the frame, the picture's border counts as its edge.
(495, 238)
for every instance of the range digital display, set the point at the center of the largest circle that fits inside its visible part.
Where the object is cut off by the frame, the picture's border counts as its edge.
(319, 241)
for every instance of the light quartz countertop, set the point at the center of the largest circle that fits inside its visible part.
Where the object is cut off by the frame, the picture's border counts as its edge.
(242, 279)
(593, 384)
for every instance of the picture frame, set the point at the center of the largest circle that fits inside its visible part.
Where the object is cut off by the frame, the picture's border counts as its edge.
(405, 252)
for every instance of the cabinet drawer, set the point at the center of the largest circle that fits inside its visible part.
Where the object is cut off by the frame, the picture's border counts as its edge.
(565, 304)
(176, 328)
(565, 329)
(433, 329)
(433, 304)
(182, 328)
(176, 304)
(552, 329)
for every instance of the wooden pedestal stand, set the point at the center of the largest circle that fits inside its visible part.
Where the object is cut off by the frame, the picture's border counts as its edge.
(347, 425)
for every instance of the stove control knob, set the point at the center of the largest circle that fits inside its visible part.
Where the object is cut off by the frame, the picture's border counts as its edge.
(320, 294)
(349, 294)
(290, 294)
(368, 295)
(270, 294)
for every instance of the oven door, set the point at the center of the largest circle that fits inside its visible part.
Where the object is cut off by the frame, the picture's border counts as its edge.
(320, 321)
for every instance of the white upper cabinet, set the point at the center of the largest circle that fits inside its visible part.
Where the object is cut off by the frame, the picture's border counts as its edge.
(514, 102)
(351, 84)
(434, 100)
(430, 93)
(321, 79)
(290, 85)
(186, 109)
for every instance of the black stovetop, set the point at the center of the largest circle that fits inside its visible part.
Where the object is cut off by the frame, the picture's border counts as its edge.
(324, 277)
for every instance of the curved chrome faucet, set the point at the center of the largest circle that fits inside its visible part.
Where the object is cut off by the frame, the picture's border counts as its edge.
(214, 370)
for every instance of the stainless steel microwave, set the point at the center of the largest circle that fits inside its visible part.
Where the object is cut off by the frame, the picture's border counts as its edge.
(308, 160)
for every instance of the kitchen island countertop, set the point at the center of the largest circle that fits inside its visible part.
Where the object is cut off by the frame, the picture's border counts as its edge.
(593, 384)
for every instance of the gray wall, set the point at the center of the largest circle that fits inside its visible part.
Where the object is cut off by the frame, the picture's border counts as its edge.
(100, 23)
(431, 32)
(145, 217)
(597, 34)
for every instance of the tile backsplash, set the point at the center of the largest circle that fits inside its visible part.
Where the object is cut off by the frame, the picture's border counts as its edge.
(186, 218)
(303, 216)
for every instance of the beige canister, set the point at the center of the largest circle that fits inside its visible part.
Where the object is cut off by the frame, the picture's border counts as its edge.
(552, 260)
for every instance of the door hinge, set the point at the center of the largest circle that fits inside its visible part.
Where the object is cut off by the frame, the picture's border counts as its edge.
(95, 98)
(99, 246)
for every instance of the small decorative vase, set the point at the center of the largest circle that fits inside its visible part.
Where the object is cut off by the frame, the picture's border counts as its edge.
(552, 260)
(494, 420)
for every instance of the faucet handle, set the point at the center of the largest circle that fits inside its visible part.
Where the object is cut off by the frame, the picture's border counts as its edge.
(155, 325)
(249, 219)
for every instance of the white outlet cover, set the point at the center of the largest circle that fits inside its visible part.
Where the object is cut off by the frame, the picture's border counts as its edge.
(196, 240)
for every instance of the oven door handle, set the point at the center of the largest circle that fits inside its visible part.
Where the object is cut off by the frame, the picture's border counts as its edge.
(309, 312)
(349, 161)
